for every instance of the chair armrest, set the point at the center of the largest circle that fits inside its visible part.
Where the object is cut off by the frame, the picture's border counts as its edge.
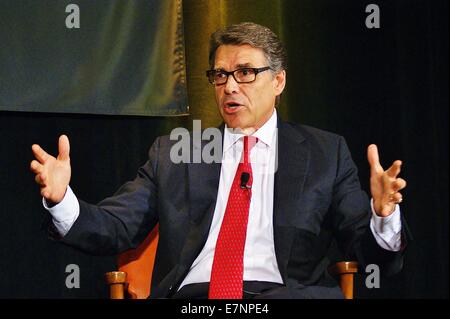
(345, 270)
(117, 284)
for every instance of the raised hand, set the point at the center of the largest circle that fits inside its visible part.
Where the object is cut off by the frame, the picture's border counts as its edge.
(384, 185)
(52, 174)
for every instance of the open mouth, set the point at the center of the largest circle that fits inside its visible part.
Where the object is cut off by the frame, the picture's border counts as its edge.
(232, 104)
(232, 107)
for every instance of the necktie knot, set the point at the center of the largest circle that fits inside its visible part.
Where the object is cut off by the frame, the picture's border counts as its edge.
(249, 142)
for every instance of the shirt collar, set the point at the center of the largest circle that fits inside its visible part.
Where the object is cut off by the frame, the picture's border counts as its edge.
(264, 134)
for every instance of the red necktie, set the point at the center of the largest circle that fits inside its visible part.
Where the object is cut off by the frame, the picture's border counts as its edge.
(228, 264)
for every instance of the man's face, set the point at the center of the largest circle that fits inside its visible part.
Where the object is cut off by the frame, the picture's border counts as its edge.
(246, 105)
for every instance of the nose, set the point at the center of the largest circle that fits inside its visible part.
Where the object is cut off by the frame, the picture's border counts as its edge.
(231, 86)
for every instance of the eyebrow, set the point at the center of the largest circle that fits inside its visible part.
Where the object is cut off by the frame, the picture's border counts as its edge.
(244, 65)
(238, 66)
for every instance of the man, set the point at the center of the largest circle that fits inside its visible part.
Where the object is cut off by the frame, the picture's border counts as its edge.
(241, 227)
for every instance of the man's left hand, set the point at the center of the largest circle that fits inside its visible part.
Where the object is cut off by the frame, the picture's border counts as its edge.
(385, 186)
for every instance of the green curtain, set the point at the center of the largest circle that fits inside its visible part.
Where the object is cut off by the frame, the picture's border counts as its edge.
(126, 57)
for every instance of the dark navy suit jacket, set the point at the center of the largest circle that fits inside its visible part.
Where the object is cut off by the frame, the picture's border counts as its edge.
(317, 201)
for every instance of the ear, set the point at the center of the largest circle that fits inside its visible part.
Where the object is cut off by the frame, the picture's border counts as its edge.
(279, 82)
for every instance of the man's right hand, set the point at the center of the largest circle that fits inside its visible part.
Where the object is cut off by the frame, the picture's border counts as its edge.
(52, 174)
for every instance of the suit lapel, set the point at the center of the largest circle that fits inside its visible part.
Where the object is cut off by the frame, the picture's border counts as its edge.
(203, 184)
(293, 156)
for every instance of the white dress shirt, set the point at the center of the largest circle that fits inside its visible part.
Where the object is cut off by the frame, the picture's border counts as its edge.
(259, 254)
(260, 263)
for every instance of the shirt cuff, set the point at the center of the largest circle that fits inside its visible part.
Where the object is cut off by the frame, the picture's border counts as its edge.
(65, 213)
(387, 230)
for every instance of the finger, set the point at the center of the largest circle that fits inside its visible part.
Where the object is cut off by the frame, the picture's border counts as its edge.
(374, 160)
(39, 153)
(394, 170)
(36, 167)
(45, 193)
(40, 179)
(399, 184)
(396, 198)
(63, 147)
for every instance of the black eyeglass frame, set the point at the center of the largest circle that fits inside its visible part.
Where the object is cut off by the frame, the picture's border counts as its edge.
(210, 74)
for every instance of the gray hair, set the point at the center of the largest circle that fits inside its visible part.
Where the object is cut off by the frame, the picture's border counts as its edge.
(254, 35)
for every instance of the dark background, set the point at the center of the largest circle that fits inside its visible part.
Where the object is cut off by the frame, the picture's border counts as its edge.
(387, 86)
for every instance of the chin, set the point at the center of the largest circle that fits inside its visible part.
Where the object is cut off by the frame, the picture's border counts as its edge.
(232, 121)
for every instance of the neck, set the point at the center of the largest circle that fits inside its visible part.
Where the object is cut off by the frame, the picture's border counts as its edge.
(252, 129)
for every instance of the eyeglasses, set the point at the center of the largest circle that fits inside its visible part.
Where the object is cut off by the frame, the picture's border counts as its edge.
(243, 75)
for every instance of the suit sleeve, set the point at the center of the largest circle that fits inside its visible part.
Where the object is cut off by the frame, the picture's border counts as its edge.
(120, 222)
(351, 219)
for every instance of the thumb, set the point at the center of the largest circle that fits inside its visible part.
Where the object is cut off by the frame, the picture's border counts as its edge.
(63, 148)
(374, 160)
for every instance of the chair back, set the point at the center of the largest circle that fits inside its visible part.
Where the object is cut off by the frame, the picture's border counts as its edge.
(138, 266)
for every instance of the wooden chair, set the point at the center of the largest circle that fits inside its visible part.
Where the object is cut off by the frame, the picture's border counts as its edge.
(133, 279)
(345, 271)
